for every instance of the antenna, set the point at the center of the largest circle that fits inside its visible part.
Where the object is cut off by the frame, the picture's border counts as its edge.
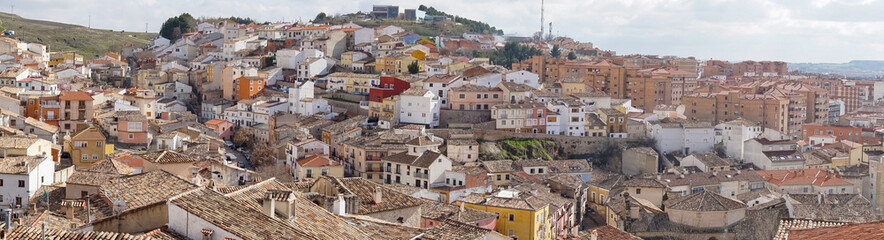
(541, 20)
(89, 23)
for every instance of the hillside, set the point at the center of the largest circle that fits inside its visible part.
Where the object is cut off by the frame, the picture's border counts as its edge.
(456, 25)
(865, 69)
(68, 37)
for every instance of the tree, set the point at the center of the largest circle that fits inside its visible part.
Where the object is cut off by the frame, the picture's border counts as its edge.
(263, 154)
(556, 52)
(281, 173)
(244, 137)
(175, 26)
(477, 54)
(413, 68)
(320, 17)
(572, 56)
(513, 52)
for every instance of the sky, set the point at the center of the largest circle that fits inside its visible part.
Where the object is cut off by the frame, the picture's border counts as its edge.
(734, 30)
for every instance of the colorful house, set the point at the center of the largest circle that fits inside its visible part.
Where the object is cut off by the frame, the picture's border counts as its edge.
(247, 87)
(224, 128)
(521, 214)
(318, 165)
(87, 147)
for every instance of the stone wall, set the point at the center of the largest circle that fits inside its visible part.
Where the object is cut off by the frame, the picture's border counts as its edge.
(351, 107)
(345, 96)
(569, 144)
(450, 116)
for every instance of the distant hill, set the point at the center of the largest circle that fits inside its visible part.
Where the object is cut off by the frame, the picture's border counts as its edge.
(456, 25)
(865, 69)
(69, 37)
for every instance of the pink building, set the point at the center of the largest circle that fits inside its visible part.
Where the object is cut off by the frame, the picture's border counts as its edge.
(470, 97)
(222, 127)
(132, 128)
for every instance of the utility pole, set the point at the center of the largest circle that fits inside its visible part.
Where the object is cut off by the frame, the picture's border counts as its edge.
(89, 23)
(145, 27)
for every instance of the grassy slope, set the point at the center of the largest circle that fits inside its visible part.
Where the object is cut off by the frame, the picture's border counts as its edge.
(68, 37)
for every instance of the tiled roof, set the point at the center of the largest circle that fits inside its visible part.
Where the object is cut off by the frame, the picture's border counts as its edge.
(441, 78)
(499, 166)
(518, 200)
(109, 166)
(424, 160)
(379, 229)
(311, 219)
(89, 133)
(17, 141)
(606, 232)
(422, 141)
(19, 164)
(34, 233)
(531, 163)
(75, 96)
(169, 157)
(809, 176)
(867, 230)
(234, 217)
(569, 166)
(704, 201)
(441, 211)
(450, 229)
(712, 160)
(365, 190)
(832, 207)
(415, 91)
(709, 178)
(317, 161)
(146, 189)
(41, 125)
(790, 224)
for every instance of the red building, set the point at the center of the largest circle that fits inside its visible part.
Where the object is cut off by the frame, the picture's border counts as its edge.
(849, 133)
(389, 86)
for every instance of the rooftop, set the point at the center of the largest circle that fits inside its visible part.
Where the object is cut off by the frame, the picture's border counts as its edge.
(705, 201)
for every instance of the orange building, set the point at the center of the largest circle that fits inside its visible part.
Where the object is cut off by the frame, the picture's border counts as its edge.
(247, 87)
(45, 109)
(66, 110)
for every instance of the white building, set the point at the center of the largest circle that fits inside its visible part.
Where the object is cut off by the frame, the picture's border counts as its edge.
(773, 154)
(171, 141)
(295, 151)
(242, 114)
(486, 80)
(683, 137)
(570, 120)
(440, 84)
(419, 106)
(302, 101)
(523, 77)
(312, 67)
(733, 135)
(265, 110)
(289, 58)
(420, 166)
(22, 176)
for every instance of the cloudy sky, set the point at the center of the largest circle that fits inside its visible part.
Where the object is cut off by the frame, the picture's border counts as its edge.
(789, 30)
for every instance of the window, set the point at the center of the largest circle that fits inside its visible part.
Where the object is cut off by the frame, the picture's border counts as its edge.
(21, 183)
(85, 157)
(638, 191)
(131, 136)
(512, 217)
(84, 194)
(309, 173)
(94, 156)
(81, 144)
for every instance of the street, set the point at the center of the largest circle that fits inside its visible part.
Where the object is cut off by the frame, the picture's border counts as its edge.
(236, 156)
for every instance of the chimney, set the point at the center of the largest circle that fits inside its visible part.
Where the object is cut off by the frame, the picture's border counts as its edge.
(269, 205)
(378, 197)
(819, 198)
(714, 173)
(594, 235)
(739, 172)
(339, 207)
(207, 233)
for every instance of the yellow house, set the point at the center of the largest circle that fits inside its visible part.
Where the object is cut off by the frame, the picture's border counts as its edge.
(458, 66)
(385, 64)
(520, 214)
(87, 147)
(598, 191)
(574, 85)
(402, 62)
(318, 165)
(385, 108)
(360, 82)
(500, 172)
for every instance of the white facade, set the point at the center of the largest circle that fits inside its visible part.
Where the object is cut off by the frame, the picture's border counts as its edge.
(441, 89)
(487, 80)
(733, 135)
(755, 154)
(289, 58)
(687, 139)
(25, 186)
(523, 77)
(312, 67)
(423, 109)
(570, 119)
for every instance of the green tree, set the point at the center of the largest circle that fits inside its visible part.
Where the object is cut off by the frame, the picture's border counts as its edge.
(413, 68)
(175, 26)
(477, 54)
(556, 52)
(513, 52)
(572, 56)
(320, 17)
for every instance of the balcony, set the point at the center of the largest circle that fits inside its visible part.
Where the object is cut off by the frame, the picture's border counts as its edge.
(374, 169)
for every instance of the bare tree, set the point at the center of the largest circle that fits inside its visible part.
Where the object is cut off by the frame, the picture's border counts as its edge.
(244, 137)
(263, 154)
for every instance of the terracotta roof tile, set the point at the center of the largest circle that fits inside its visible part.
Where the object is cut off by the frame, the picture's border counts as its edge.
(867, 230)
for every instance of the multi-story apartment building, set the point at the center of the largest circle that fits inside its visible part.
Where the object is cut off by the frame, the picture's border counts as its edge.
(520, 117)
(604, 75)
(615, 120)
(472, 97)
(420, 166)
(364, 153)
(768, 110)
(566, 117)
